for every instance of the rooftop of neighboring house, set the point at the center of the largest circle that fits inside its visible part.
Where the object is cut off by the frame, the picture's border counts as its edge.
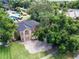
(13, 15)
(16, 16)
(74, 13)
(5, 1)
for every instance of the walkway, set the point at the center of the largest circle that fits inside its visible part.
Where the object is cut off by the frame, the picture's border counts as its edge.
(36, 46)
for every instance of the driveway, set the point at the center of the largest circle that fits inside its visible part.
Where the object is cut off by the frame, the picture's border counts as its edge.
(36, 46)
(77, 57)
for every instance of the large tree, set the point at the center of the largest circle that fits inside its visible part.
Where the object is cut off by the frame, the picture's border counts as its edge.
(55, 27)
(71, 4)
(74, 4)
(7, 26)
(19, 3)
(59, 31)
(42, 9)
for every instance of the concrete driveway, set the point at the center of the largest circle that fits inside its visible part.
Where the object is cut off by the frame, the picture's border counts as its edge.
(77, 57)
(36, 46)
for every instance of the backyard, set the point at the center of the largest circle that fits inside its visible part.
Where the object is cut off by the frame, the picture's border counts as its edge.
(17, 51)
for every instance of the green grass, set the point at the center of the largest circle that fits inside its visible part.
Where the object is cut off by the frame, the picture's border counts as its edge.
(17, 51)
(61, 57)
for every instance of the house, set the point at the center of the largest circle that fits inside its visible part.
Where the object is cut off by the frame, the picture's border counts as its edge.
(25, 30)
(14, 15)
(73, 13)
(5, 1)
(5, 4)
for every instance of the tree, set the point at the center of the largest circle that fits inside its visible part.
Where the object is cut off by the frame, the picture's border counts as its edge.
(19, 3)
(41, 10)
(55, 27)
(74, 4)
(7, 26)
(59, 31)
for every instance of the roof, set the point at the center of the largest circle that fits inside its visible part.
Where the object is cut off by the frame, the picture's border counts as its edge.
(27, 24)
(13, 15)
(73, 13)
(5, 1)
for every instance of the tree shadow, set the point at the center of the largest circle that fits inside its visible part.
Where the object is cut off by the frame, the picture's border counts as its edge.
(56, 55)
(6, 51)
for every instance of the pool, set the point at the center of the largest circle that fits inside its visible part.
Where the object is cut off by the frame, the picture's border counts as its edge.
(15, 16)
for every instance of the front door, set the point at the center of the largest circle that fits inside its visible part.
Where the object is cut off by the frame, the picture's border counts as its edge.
(27, 35)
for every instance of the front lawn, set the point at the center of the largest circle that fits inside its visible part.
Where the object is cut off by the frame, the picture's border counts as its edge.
(17, 51)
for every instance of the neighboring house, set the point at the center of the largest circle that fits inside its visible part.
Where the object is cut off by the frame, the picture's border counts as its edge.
(14, 15)
(5, 1)
(25, 30)
(5, 4)
(73, 13)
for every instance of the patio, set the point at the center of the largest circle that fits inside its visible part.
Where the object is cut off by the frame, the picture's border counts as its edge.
(36, 46)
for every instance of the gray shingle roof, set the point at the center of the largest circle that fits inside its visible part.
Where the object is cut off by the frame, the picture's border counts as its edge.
(5, 1)
(27, 24)
(73, 13)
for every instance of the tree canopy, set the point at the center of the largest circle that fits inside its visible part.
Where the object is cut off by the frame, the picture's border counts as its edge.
(7, 27)
(55, 28)
(72, 4)
(41, 10)
(59, 31)
(19, 3)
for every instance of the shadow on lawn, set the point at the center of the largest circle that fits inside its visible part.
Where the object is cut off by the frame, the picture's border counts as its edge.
(5, 51)
(55, 55)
